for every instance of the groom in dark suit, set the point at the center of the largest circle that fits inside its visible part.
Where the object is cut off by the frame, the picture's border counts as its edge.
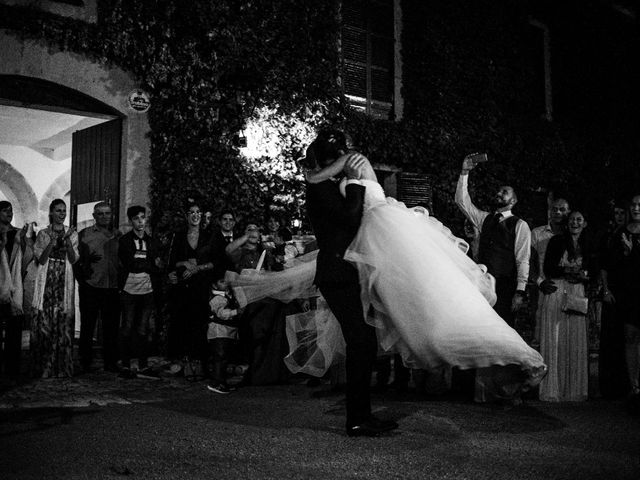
(335, 220)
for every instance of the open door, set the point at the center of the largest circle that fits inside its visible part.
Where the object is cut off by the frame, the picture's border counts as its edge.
(95, 167)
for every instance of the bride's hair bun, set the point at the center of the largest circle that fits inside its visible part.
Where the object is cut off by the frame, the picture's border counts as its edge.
(328, 145)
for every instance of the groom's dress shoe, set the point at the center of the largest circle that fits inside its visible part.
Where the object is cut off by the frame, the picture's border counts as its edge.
(371, 428)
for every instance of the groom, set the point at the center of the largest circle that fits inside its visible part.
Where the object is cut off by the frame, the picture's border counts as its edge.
(335, 220)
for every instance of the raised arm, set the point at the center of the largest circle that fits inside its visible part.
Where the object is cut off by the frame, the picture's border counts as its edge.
(463, 200)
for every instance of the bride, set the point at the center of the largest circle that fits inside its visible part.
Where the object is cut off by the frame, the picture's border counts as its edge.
(427, 299)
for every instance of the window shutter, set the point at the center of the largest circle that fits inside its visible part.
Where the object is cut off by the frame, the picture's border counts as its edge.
(368, 54)
(415, 189)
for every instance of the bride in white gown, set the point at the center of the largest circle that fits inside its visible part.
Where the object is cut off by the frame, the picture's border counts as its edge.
(430, 302)
(427, 299)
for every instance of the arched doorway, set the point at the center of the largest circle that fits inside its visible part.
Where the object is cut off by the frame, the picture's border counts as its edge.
(52, 134)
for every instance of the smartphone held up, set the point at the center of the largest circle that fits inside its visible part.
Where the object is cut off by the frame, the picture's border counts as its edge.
(479, 157)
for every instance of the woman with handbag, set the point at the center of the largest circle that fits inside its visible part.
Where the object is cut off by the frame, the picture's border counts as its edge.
(563, 328)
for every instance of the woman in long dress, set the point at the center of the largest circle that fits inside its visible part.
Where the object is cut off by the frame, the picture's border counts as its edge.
(563, 334)
(55, 251)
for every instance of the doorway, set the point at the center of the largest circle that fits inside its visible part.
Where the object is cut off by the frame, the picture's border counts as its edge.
(56, 142)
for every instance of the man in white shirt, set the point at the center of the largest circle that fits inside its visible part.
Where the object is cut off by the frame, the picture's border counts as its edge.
(505, 243)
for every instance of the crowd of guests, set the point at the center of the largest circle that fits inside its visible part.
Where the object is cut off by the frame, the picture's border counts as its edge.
(566, 269)
(125, 281)
(575, 276)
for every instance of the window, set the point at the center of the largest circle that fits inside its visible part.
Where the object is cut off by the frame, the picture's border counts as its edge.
(539, 45)
(369, 52)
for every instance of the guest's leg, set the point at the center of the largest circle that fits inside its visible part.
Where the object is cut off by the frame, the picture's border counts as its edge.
(632, 353)
(505, 290)
(88, 317)
(176, 327)
(344, 302)
(110, 309)
(218, 374)
(13, 345)
(383, 372)
(141, 336)
(11, 341)
(126, 328)
(401, 373)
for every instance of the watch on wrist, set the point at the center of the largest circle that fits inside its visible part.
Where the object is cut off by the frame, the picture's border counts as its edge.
(522, 293)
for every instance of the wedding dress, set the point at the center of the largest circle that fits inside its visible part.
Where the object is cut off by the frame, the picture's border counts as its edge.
(430, 302)
(427, 299)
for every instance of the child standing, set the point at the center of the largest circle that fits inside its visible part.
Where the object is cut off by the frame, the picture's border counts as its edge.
(222, 334)
(138, 281)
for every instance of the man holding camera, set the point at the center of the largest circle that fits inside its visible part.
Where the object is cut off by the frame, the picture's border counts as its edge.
(505, 241)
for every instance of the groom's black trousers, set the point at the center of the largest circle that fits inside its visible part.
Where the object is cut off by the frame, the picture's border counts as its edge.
(362, 346)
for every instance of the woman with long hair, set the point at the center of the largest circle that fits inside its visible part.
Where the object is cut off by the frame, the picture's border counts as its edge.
(55, 251)
(563, 330)
(190, 275)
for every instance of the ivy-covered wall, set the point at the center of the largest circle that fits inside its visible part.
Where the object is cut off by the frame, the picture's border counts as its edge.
(469, 84)
(212, 66)
(467, 87)
(209, 66)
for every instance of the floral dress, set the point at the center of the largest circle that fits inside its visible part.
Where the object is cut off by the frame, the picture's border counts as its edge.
(53, 324)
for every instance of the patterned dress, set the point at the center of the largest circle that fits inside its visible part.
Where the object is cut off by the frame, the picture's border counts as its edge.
(53, 327)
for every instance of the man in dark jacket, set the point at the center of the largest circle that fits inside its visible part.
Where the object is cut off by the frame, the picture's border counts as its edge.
(138, 281)
(335, 220)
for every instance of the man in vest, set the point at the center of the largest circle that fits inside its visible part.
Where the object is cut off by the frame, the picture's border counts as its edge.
(505, 243)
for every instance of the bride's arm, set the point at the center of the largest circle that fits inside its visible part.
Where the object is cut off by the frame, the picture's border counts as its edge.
(317, 176)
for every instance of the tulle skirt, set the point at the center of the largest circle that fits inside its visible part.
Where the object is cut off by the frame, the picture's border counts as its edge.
(431, 302)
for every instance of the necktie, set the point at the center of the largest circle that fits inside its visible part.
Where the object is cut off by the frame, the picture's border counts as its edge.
(493, 221)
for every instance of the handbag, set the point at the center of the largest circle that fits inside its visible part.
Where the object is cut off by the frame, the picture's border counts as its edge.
(574, 304)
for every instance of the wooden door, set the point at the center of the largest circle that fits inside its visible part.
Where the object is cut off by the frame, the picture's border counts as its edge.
(95, 166)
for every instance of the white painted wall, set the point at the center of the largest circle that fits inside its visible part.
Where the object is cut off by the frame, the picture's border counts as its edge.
(108, 85)
(41, 174)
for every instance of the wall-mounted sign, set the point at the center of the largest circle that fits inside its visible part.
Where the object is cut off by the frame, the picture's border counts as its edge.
(139, 101)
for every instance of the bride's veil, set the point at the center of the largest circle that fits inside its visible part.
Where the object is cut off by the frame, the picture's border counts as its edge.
(295, 281)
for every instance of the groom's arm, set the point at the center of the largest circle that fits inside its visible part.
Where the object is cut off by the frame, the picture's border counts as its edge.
(354, 201)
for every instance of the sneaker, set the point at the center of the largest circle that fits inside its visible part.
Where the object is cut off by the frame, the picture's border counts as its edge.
(218, 388)
(241, 369)
(127, 373)
(175, 369)
(148, 372)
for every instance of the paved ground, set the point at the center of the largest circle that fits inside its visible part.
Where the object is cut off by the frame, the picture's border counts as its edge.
(100, 426)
